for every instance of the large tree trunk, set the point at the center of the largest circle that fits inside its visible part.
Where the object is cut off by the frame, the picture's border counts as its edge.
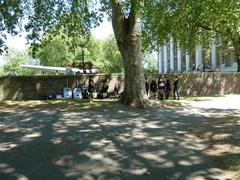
(127, 33)
(134, 89)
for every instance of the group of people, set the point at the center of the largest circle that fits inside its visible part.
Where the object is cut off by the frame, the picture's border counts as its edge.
(102, 89)
(102, 92)
(161, 87)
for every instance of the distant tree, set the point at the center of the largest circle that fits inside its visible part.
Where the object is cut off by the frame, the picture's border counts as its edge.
(14, 59)
(150, 63)
(54, 51)
(110, 61)
(91, 50)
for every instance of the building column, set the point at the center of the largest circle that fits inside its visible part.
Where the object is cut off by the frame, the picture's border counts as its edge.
(199, 58)
(171, 55)
(214, 54)
(160, 60)
(165, 58)
(187, 61)
(179, 60)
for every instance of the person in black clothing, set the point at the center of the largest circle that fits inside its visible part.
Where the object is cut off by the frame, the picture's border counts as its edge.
(153, 87)
(103, 91)
(176, 88)
(167, 88)
(90, 88)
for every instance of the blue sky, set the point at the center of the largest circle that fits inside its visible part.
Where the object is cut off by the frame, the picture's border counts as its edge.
(19, 42)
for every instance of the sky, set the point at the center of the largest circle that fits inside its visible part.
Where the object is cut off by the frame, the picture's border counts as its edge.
(19, 42)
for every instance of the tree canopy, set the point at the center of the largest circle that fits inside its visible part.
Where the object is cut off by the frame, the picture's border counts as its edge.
(192, 19)
(56, 51)
(189, 22)
(193, 23)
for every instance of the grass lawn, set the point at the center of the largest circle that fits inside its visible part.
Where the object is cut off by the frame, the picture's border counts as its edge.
(68, 104)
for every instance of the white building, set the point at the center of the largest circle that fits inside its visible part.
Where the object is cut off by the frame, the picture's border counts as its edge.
(172, 58)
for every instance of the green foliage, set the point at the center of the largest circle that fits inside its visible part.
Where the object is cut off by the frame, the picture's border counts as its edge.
(91, 51)
(111, 61)
(191, 23)
(14, 60)
(56, 51)
(151, 69)
(75, 18)
(53, 51)
(151, 63)
(1, 71)
(10, 13)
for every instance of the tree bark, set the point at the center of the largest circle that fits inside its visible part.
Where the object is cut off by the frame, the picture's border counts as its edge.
(127, 32)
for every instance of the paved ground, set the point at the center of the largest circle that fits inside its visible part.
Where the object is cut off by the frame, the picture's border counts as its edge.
(114, 142)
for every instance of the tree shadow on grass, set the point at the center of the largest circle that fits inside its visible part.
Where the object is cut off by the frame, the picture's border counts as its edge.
(111, 142)
(67, 104)
(223, 138)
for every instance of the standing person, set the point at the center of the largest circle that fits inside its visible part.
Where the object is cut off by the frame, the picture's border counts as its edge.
(117, 88)
(161, 88)
(147, 85)
(167, 88)
(176, 87)
(90, 88)
(153, 87)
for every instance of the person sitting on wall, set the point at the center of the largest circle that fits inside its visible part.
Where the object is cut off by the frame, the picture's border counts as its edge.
(218, 69)
(46, 95)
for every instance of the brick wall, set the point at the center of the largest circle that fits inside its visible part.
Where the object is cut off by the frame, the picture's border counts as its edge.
(199, 84)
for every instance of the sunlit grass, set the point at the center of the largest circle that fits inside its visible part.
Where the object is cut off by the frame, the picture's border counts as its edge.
(231, 162)
(234, 163)
(169, 103)
(225, 149)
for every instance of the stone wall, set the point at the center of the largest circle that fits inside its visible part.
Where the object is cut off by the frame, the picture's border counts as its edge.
(199, 84)
(32, 87)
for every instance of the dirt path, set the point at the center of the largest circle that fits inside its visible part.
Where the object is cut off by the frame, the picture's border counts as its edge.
(115, 142)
